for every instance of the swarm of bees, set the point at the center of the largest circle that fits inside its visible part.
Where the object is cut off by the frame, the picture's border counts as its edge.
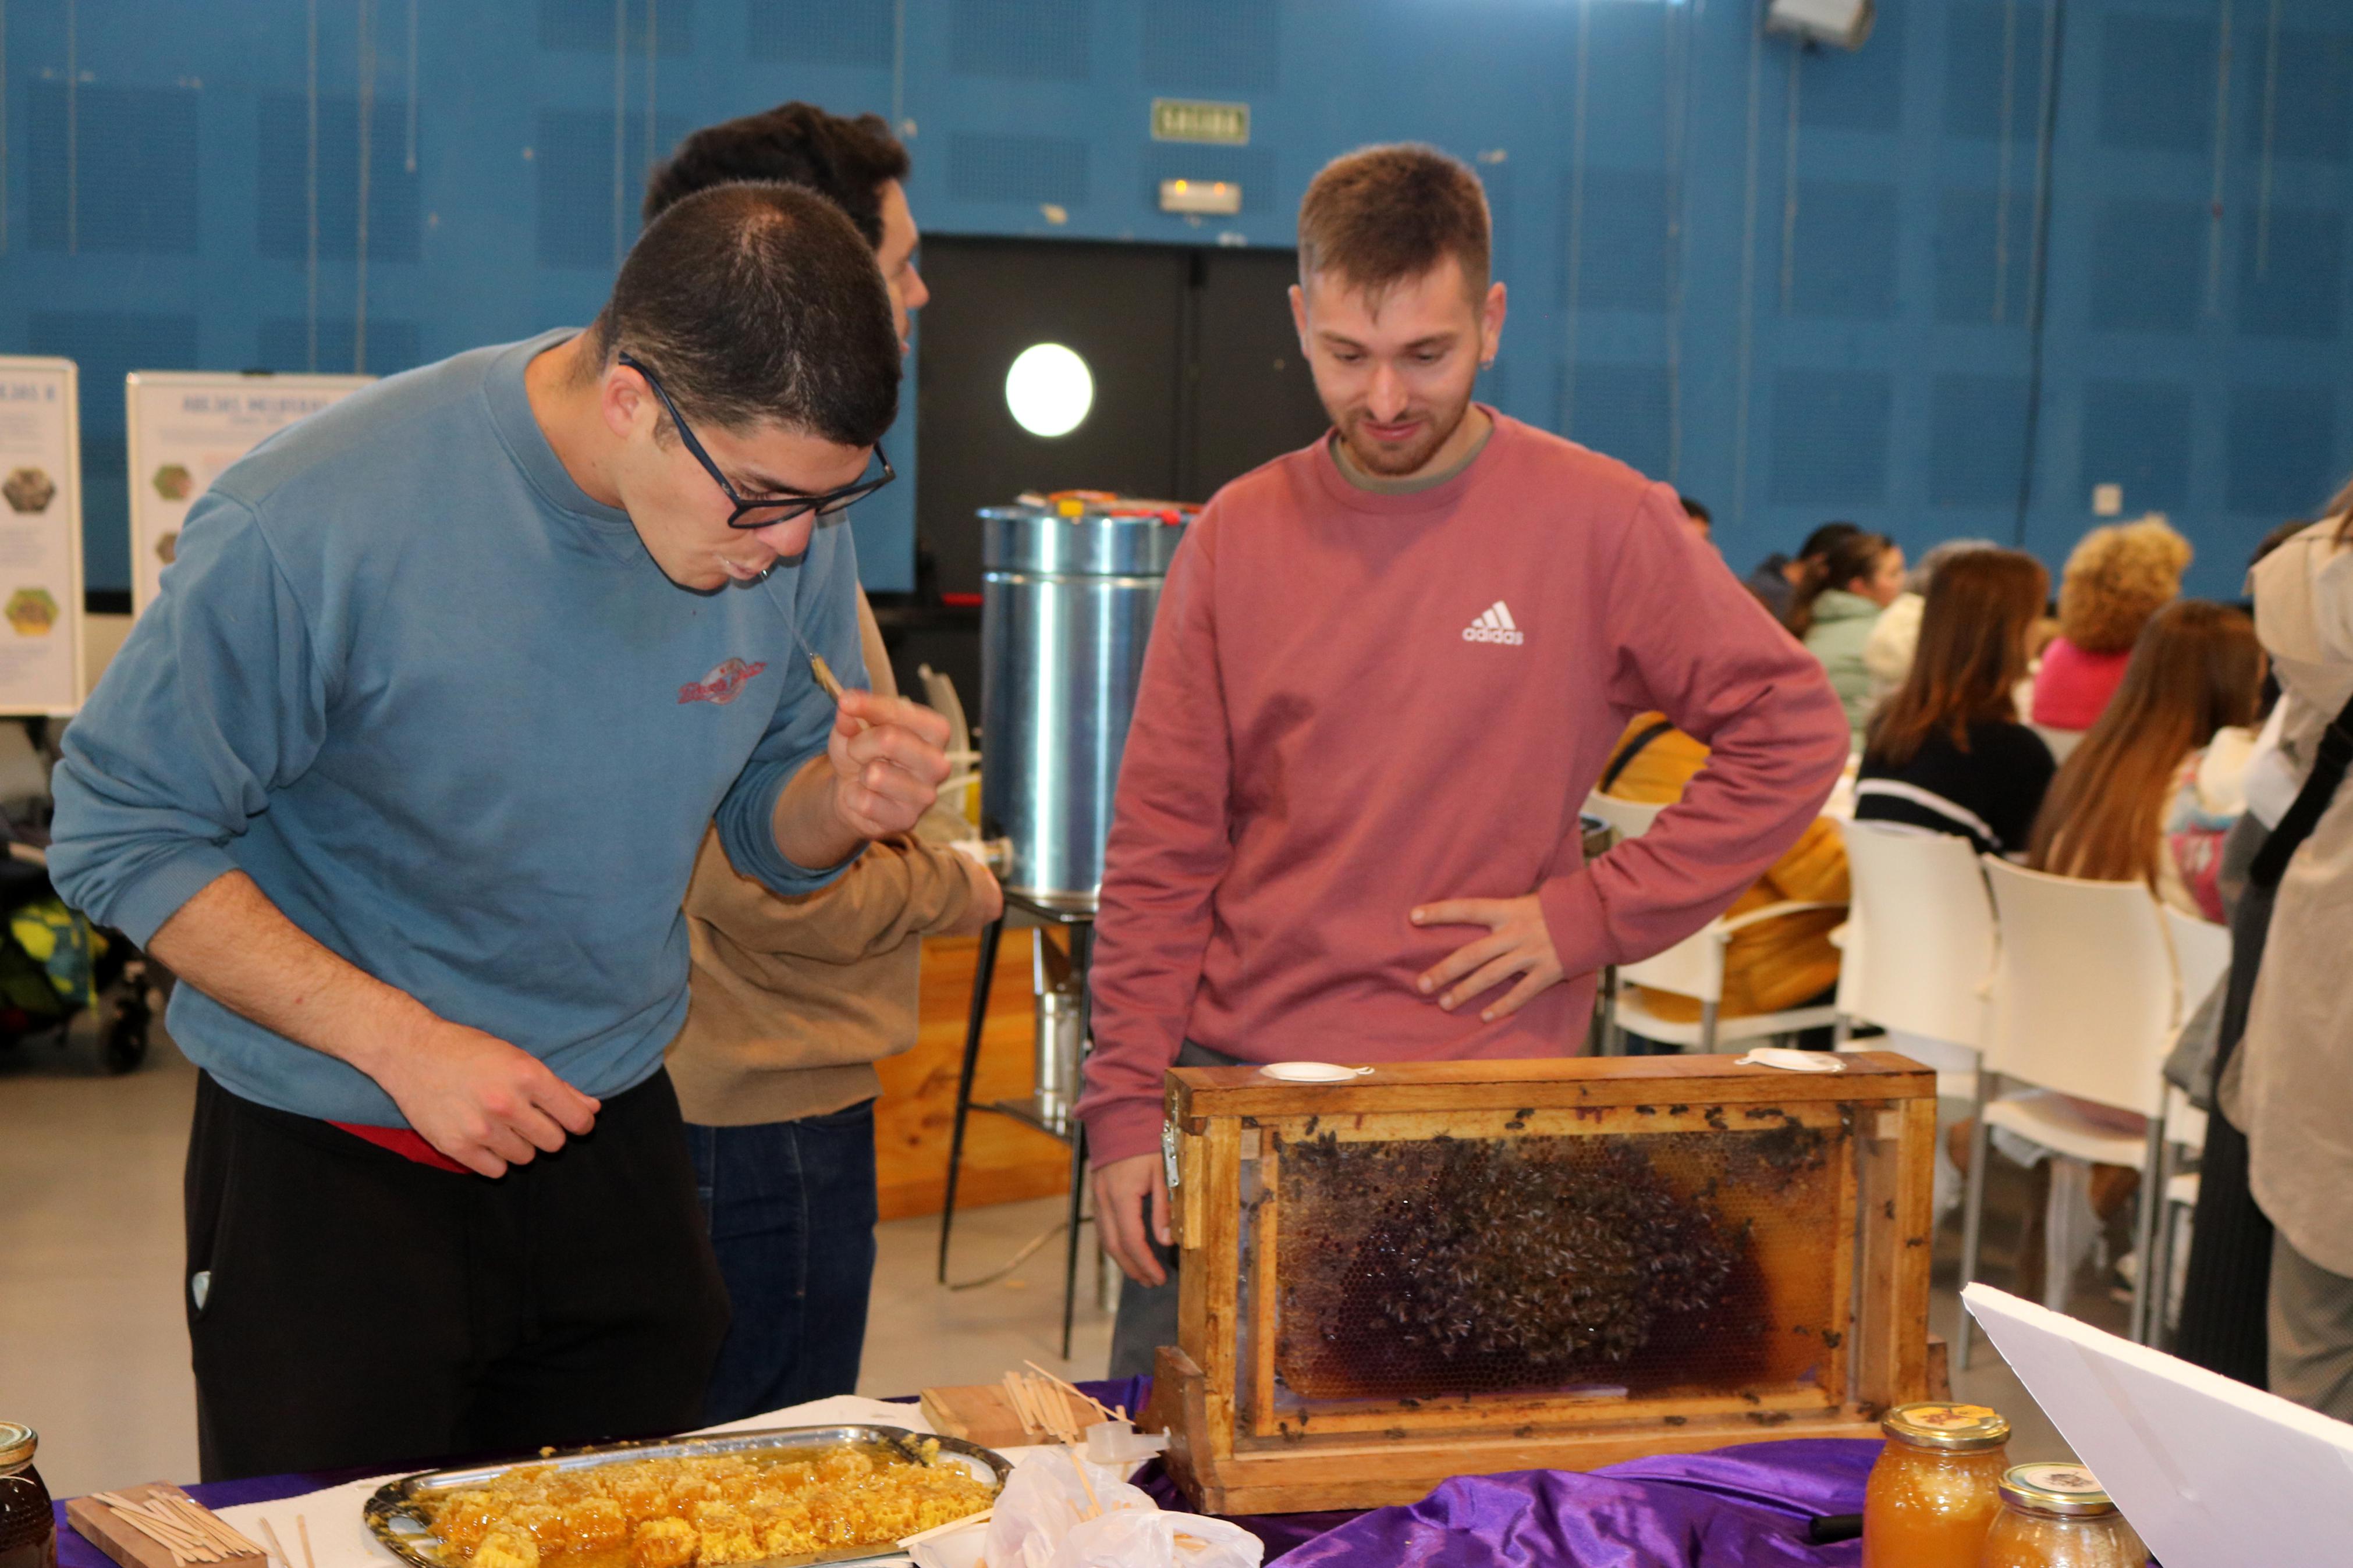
(1457, 1264)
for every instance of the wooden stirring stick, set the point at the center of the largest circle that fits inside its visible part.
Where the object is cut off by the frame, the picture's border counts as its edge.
(276, 1550)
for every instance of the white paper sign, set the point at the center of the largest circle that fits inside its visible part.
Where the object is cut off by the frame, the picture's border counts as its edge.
(40, 537)
(2208, 1471)
(185, 426)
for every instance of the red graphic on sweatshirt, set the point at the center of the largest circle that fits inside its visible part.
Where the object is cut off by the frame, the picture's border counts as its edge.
(722, 684)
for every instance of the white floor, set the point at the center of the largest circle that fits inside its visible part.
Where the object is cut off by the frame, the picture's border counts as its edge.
(93, 1347)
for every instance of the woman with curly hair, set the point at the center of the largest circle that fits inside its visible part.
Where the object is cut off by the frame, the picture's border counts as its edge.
(2117, 577)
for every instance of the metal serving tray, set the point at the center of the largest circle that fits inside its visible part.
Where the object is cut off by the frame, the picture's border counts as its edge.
(395, 1513)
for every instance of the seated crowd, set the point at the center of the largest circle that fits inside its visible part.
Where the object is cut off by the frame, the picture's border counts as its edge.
(2107, 743)
(2132, 736)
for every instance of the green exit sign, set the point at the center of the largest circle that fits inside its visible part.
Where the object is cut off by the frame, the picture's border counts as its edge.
(1190, 119)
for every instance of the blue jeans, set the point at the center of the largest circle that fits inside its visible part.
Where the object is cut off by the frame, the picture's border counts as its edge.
(791, 1209)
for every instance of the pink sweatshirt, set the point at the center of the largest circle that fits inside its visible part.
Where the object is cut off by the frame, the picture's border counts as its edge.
(1355, 703)
(2072, 687)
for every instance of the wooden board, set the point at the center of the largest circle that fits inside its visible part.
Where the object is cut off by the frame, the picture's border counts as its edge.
(103, 1529)
(1004, 1162)
(1375, 1474)
(1896, 1179)
(1196, 1093)
(982, 1413)
(1869, 1266)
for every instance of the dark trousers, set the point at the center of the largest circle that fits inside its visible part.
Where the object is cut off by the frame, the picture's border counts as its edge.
(791, 1208)
(1146, 1319)
(2226, 1285)
(361, 1309)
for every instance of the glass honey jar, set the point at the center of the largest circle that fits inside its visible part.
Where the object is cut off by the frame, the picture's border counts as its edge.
(1936, 1489)
(2057, 1516)
(28, 1535)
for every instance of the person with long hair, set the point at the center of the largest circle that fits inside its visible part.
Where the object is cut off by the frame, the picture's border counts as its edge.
(2196, 670)
(1947, 751)
(1839, 599)
(1887, 652)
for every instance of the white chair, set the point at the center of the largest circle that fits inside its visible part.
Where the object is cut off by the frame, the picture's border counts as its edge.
(2201, 956)
(1919, 945)
(2084, 1005)
(1694, 966)
(1917, 957)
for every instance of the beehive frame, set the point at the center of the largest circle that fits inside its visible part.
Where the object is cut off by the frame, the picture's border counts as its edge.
(1239, 1448)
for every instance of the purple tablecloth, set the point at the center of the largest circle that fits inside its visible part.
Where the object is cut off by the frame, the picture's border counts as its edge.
(1738, 1508)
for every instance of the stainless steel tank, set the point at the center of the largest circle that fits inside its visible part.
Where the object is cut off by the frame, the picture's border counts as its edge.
(1067, 604)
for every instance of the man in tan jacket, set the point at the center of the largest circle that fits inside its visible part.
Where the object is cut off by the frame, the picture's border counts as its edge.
(794, 1000)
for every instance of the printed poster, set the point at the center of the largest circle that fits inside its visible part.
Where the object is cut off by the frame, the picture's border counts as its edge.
(185, 426)
(40, 538)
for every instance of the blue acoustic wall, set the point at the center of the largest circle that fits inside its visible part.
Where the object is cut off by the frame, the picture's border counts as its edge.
(1799, 285)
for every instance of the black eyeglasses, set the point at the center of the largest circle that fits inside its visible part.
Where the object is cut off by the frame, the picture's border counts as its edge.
(776, 508)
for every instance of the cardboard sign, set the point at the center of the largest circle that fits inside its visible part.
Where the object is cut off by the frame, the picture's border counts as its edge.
(40, 537)
(185, 426)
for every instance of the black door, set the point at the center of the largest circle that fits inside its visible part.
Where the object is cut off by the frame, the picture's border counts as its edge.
(1253, 397)
(1197, 377)
(1197, 380)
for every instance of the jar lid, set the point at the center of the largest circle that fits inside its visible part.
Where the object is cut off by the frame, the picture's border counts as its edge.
(1946, 1428)
(18, 1442)
(2070, 1491)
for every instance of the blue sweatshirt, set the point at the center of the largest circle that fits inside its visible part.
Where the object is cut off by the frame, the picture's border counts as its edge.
(448, 714)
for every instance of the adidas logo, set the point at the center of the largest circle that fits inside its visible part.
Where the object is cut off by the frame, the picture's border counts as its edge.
(1494, 624)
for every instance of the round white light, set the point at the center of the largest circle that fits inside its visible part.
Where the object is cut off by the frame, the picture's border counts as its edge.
(1048, 390)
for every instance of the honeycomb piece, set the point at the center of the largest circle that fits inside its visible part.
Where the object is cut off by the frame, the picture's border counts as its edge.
(505, 1549)
(594, 1523)
(462, 1519)
(664, 1543)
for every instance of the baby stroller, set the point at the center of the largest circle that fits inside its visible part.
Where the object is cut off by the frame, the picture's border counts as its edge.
(55, 964)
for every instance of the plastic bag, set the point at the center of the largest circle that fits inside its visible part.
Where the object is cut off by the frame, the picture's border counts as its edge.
(1129, 1538)
(1058, 1510)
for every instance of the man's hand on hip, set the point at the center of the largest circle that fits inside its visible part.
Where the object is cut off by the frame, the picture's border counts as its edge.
(1125, 1190)
(481, 1102)
(1518, 942)
(889, 758)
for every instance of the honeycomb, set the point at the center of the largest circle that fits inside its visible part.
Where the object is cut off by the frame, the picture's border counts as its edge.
(1605, 1263)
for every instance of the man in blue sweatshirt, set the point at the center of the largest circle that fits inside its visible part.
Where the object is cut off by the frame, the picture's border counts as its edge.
(404, 775)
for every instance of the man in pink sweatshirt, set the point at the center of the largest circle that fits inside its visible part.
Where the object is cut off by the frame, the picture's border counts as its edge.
(1386, 670)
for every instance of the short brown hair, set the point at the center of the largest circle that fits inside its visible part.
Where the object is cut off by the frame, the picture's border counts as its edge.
(1380, 216)
(846, 161)
(759, 304)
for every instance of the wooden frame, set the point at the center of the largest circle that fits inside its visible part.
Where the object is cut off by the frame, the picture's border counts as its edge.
(1243, 1445)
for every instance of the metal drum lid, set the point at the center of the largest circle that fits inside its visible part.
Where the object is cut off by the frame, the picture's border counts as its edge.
(1093, 544)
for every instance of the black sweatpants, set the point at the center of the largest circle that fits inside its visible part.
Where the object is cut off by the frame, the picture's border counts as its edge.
(361, 1309)
(2226, 1288)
